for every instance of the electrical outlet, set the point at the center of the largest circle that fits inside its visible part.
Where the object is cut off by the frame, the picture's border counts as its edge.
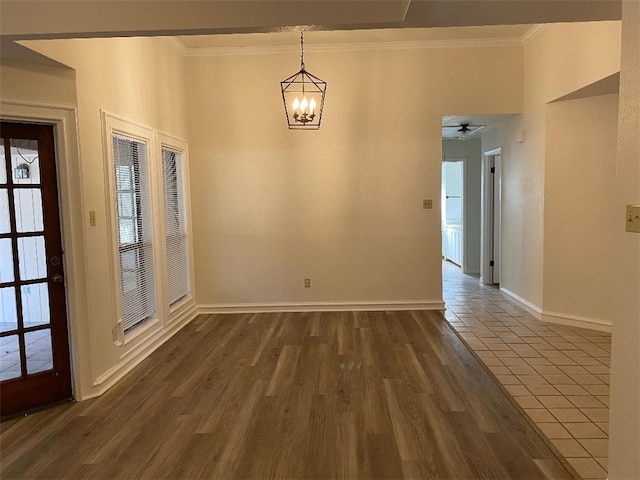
(633, 218)
(307, 283)
(428, 204)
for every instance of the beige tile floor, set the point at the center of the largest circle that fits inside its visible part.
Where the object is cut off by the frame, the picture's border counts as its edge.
(558, 375)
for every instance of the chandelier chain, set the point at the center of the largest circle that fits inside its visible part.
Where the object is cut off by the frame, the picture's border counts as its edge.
(302, 50)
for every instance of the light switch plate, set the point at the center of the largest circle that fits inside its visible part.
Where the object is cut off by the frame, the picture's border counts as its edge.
(633, 218)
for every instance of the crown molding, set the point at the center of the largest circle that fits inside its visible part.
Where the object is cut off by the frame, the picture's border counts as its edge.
(533, 32)
(176, 44)
(342, 47)
(527, 37)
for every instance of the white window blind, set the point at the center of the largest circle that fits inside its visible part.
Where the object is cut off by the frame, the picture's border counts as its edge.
(175, 226)
(133, 209)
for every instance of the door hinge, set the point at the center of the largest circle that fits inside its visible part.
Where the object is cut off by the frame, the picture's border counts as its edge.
(493, 169)
(491, 263)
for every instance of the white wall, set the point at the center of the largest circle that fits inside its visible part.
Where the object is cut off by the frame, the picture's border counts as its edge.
(342, 205)
(472, 152)
(624, 441)
(560, 59)
(140, 79)
(581, 138)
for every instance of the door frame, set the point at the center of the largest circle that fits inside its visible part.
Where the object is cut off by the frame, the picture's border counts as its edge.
(487, 213)
(63, 118)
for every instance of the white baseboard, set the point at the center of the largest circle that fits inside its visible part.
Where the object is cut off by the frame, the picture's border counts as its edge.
(320, 307)
(577, 321)
(524, 304)
(128, 362)
(560, 318)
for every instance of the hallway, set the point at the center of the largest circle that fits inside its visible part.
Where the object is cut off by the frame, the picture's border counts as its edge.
(558, 375)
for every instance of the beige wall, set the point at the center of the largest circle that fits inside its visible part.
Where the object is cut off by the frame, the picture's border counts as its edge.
(27, 82)
(342, 205)
(559, 60)
(624, 443)
(471, 151)
(579, 181)
(142, 81)
(24, 86)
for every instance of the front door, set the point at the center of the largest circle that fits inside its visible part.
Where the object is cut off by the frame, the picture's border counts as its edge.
(34, 347)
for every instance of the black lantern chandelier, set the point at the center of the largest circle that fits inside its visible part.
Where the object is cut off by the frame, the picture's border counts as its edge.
(303, 96)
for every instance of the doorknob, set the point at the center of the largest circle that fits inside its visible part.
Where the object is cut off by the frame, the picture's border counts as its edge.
(56, 278)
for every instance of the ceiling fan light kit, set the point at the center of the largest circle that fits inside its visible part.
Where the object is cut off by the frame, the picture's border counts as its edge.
(465, 130)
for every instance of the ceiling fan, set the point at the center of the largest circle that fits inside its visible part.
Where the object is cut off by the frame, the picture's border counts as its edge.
(465, 130)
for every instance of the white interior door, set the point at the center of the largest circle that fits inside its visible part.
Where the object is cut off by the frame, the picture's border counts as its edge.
(490, 221)
(495, 274)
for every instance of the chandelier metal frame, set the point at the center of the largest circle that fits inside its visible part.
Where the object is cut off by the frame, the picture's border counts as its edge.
(303, 113)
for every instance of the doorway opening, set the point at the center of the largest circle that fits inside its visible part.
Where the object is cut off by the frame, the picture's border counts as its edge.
(465, 143)
(453, 211)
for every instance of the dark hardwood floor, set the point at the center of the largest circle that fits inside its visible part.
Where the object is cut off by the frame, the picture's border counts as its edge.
(291, 395)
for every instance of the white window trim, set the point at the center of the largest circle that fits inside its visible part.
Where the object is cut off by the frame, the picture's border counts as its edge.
(114, 125)
(170, 142)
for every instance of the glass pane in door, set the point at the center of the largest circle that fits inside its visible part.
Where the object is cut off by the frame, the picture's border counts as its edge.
(25, 163)
(3, 163)
(28, 203)
(32, 258)
(8, 312)
(6, 261)
(9, 357)
(5, 225)
(38, 350)
(35, 304)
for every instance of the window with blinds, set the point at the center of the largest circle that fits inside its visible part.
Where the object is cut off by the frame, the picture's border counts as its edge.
(133, 210)
(175, 226)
